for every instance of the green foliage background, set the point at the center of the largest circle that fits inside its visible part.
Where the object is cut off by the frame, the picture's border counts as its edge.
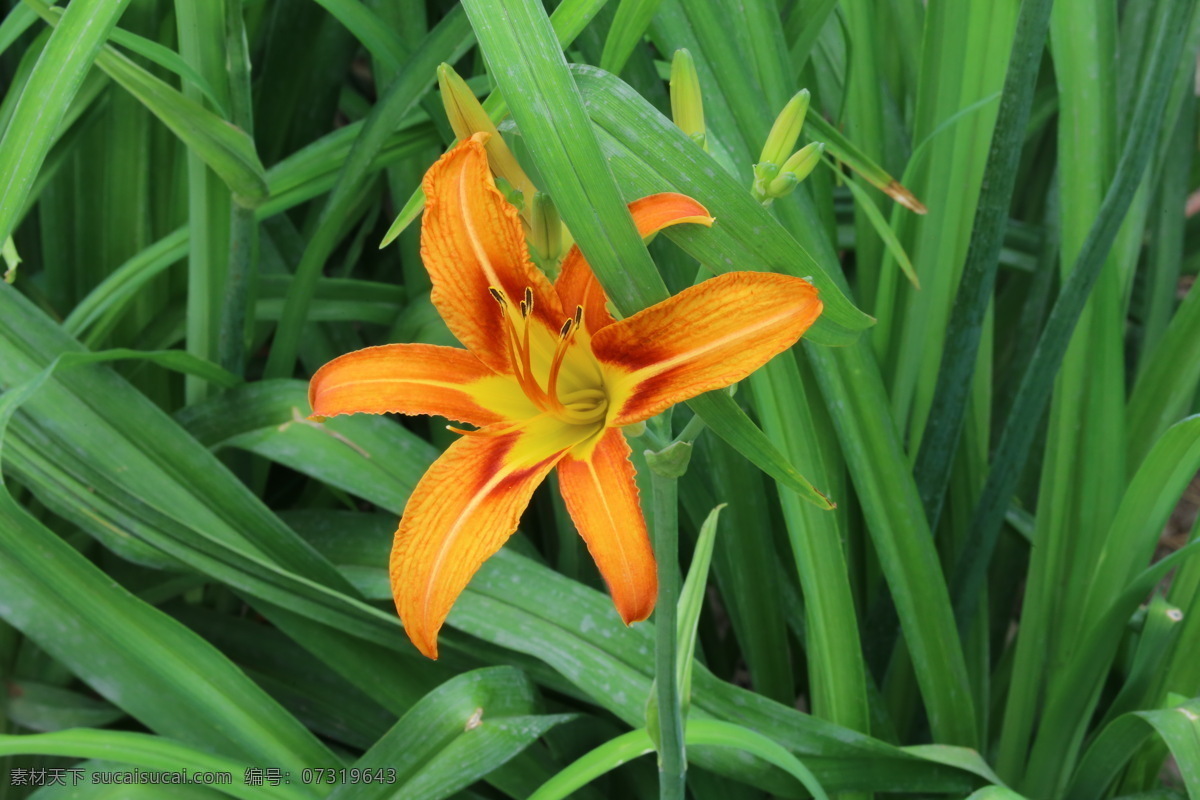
(192, 575)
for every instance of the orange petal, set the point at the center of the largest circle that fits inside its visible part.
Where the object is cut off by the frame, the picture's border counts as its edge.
(602, 497)
(471, 239)
(577, 286)
(704, 338)
(461, 512)
(416, 379)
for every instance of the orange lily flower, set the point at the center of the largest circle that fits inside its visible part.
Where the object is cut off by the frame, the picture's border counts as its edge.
(548, 378)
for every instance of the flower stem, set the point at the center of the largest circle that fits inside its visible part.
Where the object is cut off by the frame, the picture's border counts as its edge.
(672, 762)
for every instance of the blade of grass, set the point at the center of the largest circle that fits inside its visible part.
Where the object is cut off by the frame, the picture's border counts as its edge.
(1034, 392)
(447, 42)
(243, 227)
(141, 660)
(837, 673)
(1180, 729)
(628, 27)
(948, 409)
(201, 28)
(848, 376)
(56, 77)
(150, 752)
(1031, 398)
(452, 737)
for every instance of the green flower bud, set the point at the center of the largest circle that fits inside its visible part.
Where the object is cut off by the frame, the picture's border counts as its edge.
(687, 103)
(467, 116)
(786, 130)
(545, 232)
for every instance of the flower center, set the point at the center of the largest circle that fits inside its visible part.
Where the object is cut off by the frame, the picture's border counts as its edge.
(538, 358)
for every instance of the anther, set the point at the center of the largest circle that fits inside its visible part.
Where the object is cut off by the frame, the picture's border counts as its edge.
(497, 296)
(578, 316)
(566, 328)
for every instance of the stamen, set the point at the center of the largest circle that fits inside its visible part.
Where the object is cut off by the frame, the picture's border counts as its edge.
(566, 334)
(497, 296)
(527, 367)
(529, 298)
(578, 316)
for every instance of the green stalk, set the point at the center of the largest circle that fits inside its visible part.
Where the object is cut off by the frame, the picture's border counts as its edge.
(672, 760)
(243, 227)
(201, 43)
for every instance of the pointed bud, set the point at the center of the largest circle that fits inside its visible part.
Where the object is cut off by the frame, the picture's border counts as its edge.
(789, 176)
(802, 162)
(545, 233)
(786, 130)
(687, 103)
(467, 116)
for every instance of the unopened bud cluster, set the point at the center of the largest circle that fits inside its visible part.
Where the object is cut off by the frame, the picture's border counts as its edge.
(780, 170)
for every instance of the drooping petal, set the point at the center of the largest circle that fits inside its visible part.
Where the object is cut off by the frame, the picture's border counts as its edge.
(471, 240)
(601, 496)
(416, 379)
(577, 285)
(462, 511)
(706, 337)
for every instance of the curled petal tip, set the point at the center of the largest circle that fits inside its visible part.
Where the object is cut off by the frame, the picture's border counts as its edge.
(429, 650)
(639, 613)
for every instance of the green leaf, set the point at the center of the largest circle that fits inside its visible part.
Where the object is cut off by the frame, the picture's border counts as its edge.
(948, 407)
(727, 420)
(691, 603)
(846, 151)
(628, 27)
(454, 736)
(227, 150)
(377, 37)
(700, 733)
(56, 77)
(151, 753)
(141, 660)
(1151, 497)
(449, 40)
(884, 230)
(714, 733)
(525, 606)
(594, 763)
(1179, 727)
(45, 708)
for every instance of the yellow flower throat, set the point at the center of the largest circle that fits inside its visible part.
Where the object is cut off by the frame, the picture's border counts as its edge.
(574, 395)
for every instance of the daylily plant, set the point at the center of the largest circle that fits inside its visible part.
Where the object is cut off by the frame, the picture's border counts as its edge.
(547, 380)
